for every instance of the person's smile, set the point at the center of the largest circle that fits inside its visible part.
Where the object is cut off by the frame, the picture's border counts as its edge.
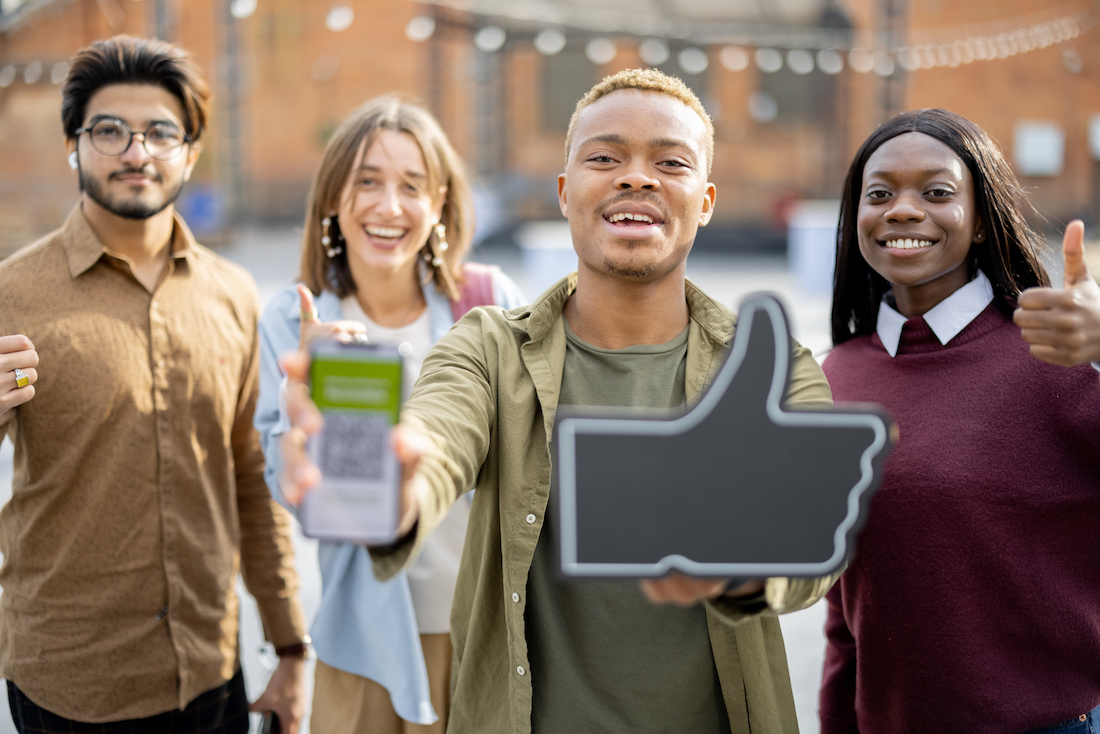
(634, 220)
(385, 236)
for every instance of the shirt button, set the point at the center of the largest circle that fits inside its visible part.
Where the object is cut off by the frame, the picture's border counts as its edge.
(515, 596)
(530, 519)
(520, 670)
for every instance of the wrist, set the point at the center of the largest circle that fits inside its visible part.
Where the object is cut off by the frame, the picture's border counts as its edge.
(298, 651)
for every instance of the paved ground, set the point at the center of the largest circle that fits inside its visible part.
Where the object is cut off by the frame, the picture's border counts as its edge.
(271, 255)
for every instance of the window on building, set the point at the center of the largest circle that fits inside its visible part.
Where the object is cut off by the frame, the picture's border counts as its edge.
(798, 97)
(566, 77)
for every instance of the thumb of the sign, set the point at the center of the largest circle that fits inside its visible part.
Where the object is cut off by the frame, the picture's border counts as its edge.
(1063, 325)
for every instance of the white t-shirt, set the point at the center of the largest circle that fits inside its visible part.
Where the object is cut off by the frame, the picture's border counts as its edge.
(433, 575)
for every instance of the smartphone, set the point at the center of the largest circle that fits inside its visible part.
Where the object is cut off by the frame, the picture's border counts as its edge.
(270, 723)
(357, 388)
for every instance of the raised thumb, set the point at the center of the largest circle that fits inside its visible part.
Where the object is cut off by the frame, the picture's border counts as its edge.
(1073, 251)
(309, 311)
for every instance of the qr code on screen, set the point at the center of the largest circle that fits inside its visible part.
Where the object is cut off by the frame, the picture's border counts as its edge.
(353, 446)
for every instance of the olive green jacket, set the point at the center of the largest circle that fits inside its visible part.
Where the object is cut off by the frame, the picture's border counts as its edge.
(486, 397)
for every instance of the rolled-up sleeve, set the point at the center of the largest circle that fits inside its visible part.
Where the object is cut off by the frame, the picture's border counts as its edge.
(454, 406)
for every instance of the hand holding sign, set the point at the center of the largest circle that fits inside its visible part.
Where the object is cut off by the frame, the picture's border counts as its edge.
(737, 487)
(1063, 326)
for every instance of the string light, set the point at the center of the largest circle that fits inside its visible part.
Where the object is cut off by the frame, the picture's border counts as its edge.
(339, 18)
(601, 51)
(768, 60)
(693, 60)
(33, 72)
(800, 61)
(734, 58)
(420, 28)
(490, 38)
(550, 41)
(653, 51)
(807, 49)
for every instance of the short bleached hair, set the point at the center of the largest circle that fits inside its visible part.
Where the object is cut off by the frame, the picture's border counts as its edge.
(644, 80)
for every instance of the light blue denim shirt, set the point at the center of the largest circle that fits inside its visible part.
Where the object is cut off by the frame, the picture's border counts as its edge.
(363, 626)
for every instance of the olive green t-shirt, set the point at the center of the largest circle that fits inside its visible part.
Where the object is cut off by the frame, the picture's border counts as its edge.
(603, 658)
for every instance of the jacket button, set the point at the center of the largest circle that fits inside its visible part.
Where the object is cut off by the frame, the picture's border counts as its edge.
(520, 670)
(515, 596)
(530, 519)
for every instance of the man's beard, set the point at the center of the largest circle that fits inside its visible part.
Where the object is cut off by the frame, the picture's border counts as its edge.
(129, 209)
(641, 272)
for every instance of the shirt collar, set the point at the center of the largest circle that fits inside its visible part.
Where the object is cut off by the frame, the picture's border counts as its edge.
(946, 319)
(83, 248)
(715, 320)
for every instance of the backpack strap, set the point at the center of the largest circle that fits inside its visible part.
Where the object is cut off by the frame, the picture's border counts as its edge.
(476, 291)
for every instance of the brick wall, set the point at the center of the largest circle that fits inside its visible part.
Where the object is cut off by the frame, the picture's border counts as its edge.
(299, 79)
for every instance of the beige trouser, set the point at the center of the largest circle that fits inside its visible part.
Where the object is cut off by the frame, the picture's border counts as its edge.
(345, 703)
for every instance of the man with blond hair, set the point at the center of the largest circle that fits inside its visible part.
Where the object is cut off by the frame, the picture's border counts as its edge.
(532, 652)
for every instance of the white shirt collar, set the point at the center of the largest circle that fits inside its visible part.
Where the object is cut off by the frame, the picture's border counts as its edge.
(946, 319)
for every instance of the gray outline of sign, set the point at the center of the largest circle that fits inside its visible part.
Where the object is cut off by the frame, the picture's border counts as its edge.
(569, 428)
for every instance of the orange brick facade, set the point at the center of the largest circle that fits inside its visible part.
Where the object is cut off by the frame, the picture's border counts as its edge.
(298, 79)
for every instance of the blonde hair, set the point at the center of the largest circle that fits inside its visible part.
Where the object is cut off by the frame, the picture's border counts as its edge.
(444, 168)
(645, 80)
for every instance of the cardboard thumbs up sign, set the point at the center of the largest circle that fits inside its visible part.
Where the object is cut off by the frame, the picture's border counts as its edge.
(737, 487)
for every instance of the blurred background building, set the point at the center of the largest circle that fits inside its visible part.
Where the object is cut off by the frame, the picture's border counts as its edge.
(793, 86)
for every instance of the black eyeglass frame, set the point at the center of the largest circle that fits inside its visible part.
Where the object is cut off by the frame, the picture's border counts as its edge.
(187, 139)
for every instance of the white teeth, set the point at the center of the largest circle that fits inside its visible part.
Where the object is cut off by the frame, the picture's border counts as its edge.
(388, 232)
(908, 244)
(627, 215)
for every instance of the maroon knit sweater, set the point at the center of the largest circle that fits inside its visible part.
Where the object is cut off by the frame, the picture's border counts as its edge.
(973, 601)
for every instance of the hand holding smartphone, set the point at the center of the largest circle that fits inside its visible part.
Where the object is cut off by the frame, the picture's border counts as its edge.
(357, 388)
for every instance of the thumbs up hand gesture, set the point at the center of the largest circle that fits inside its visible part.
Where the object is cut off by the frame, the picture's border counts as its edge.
(1063, 326)
(313, 328)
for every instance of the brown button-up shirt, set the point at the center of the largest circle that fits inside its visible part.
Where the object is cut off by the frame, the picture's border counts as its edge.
(138, 492)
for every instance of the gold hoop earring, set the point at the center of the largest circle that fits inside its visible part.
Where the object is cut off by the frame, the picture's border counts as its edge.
(326, 240)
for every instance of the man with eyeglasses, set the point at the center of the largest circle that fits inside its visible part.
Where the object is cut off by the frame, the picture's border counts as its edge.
(127, 386)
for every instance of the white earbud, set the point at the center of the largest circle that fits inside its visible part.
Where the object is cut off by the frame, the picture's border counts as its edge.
(73, 164)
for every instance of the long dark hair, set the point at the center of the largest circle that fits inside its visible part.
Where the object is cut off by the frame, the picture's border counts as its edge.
(1007, 254)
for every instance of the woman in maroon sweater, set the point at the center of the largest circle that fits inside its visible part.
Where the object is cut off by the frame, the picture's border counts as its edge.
(973, 601)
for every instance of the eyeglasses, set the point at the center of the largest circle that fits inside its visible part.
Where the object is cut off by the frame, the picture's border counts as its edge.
(114, 137)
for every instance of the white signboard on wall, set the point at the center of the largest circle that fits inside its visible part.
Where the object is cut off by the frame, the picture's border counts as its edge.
(1040, 148)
